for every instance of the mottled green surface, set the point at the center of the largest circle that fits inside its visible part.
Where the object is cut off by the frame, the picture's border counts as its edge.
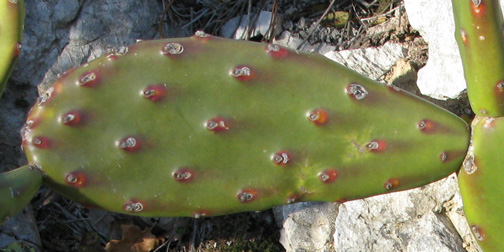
(264, 113)
(479, 36)
(11, 30)
(17, 188)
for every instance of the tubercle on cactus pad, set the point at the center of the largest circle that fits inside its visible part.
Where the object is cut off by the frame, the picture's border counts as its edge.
(234, 126)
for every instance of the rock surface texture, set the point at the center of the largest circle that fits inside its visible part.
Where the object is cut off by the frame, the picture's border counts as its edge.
(61, 34)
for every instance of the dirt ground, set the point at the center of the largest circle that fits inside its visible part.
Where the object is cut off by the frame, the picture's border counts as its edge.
(66, 226)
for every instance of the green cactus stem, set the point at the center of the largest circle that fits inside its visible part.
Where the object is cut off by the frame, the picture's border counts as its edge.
(478, 30)
(210, 126)
(11, 30)
(481, 183)
(17, 188)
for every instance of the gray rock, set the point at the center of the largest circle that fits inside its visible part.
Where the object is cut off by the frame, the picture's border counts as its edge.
(238, 27)
(423, 219)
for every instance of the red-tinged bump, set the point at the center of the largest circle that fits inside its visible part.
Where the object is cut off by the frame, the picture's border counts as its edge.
(133, 206)
(444, 156)
(477, 7)
(71, 118)
(88, 79)
(216, 124)
(328, 176)
(41, 142)
(247, 195)
(276, 51)
(470, 164)
(76, 179)
(356, 91)
(201, 213)
(281, 158)
(172, 48)
(499, 87)
(129, 144)
(427, 126)
(183, 175)
(489, 123)
(18, 49)
(154, 92)
(318, 116)
(46, 96)
(376, 145)
(478, 232)
(31, 123)
(391, 184)
(464, 36)
(242, 73)
(202, 35)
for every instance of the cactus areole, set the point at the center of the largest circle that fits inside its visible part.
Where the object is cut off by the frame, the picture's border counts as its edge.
(205, 126)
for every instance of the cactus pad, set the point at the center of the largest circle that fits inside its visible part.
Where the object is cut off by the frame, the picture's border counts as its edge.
(481, 182)
(17, 188)
(481, 45)
(11, 30)
(209, 126)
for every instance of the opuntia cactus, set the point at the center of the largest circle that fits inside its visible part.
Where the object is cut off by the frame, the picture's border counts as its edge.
(11, 30)
(481, 43)
(206, 126)
(245, 124)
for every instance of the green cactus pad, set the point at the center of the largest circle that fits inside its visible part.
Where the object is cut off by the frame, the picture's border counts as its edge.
(478, 30)
(11, 30)
(17, 188)
(481, 183)
(209, 126)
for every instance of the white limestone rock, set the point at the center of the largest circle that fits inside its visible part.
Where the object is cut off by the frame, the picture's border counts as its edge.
(443, 76)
